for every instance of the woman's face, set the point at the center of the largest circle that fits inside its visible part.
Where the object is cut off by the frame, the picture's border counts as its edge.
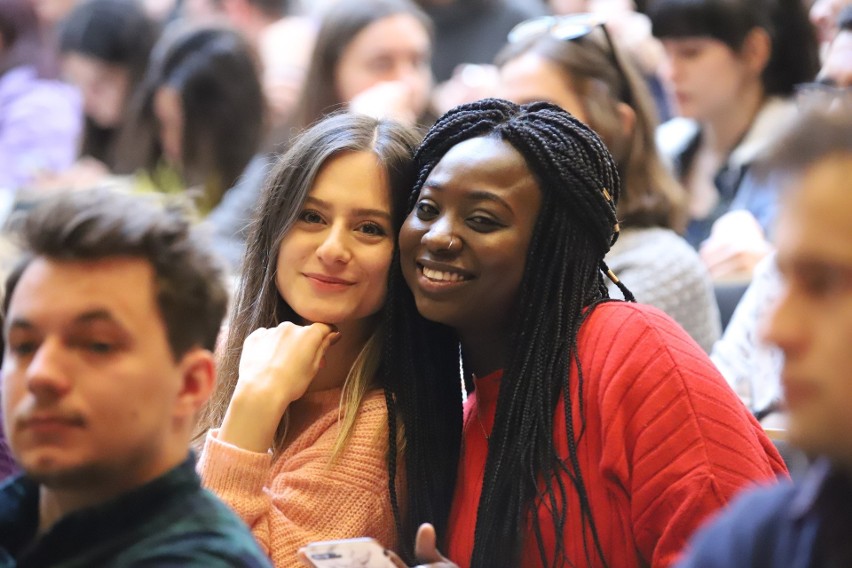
(530, 77)
(333, 263)
(464, 245)
(105, 87)
(705, 78)
(396, 49)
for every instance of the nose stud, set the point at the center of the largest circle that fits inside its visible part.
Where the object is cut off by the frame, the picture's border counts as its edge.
(450, 246)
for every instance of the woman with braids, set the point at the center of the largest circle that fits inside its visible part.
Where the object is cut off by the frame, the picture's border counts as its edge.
(598, 433)
(300, 437)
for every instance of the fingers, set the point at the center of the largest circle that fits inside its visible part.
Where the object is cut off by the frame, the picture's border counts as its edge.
(426, 548)
(319, 357)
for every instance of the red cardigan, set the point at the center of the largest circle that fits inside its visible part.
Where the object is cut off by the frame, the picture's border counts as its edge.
(667, 443)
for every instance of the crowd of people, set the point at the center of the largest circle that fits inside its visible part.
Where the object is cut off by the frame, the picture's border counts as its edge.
(433, 273)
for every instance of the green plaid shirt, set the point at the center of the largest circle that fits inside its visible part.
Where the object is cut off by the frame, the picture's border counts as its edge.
(170, 521)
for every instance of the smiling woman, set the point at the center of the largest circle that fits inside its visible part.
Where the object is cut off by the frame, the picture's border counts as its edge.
(580, 437)
(301, 424)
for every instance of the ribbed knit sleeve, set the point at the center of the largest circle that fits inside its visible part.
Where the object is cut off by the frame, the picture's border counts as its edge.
(301, 497)
(662, 443)
(673, 434)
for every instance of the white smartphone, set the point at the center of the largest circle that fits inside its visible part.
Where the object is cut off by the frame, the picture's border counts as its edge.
(349, 553)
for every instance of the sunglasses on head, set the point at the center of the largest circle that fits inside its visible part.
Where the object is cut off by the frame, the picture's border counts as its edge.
(570, 28)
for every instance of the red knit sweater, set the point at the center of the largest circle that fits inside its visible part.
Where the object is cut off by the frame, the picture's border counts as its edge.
(666, 444)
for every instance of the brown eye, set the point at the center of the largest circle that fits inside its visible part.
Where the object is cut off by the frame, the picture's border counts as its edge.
(426, 211)
(310, 216)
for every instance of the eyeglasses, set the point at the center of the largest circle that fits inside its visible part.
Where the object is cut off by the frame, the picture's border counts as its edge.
(826, 96)
(569, 28)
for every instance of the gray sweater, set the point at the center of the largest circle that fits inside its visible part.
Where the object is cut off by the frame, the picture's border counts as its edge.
(663, 270)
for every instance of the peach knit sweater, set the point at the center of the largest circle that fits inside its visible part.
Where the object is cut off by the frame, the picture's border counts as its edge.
(298, 498)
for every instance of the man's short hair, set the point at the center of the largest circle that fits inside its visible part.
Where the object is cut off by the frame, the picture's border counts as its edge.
(814, 136)
(99, 224)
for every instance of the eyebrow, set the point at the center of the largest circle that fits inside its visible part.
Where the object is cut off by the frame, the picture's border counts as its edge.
(359, 212)
(84, 318)
(474, 195)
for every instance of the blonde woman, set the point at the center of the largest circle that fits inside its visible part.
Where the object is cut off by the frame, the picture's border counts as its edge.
(297, 438)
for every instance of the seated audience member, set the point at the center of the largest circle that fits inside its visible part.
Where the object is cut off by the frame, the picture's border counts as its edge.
(104, 47)
(284, 42)
(197, 126)
(299, 448)
(571, 61)
(370, 57)
(40, 119)
(750, 366)
(805, 524)
(730, 67)
(632, 29)
(468, 35)
(110, 320)
(598, 433)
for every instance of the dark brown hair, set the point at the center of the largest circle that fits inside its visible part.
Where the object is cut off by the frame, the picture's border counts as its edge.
(340, 25)
(99, 224)
(216, 74)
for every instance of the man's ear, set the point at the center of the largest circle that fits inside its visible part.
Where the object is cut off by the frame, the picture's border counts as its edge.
(756, 49)
(198, 373)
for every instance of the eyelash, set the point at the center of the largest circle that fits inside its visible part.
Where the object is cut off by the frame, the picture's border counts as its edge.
(378, 230)
(426, 212)
(303, 216)
(313, 217)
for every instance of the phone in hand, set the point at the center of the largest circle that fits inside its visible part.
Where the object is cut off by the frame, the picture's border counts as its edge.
(362, 552)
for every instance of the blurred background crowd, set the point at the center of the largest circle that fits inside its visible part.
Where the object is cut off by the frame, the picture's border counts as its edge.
(199, 97)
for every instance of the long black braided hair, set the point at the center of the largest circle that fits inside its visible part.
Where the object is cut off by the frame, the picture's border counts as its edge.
(562, 283)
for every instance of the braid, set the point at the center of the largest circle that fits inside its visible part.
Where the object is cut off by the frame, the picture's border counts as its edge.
(415, 352)
(564, 280)
(392, 463)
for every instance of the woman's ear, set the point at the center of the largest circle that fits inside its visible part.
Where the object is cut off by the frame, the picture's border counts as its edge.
(627, 118)
(756, 50)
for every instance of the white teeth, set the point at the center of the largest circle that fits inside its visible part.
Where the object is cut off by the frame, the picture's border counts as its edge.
(440, 276)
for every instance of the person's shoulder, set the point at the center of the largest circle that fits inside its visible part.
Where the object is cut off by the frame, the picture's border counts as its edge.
(634, 336)
(627, 317)
(653, 250)
(373, 413)
(206, 532)
(747, 532)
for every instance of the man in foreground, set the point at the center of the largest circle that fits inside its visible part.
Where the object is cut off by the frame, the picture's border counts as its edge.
(110, 320)
(805, 524)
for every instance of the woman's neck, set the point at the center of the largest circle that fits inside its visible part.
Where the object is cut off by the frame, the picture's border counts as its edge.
(722, 132)
(484, 352)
